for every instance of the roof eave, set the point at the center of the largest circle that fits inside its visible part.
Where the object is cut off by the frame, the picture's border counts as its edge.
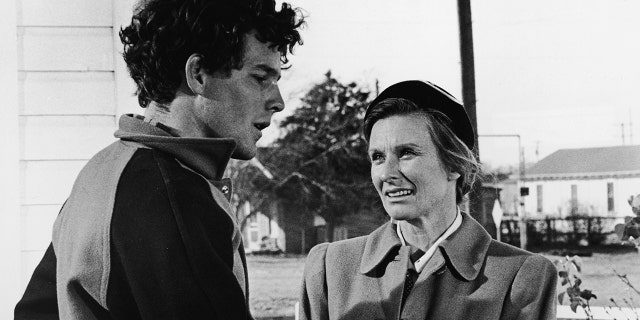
(582, 175)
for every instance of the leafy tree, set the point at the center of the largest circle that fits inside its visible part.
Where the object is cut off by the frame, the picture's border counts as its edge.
(320, 160)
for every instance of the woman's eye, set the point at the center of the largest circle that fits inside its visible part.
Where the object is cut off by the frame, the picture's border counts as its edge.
(406, 153)
(375, 157)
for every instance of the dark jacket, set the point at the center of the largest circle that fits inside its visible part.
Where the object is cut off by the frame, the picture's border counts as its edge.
(470, 277)
(146, 233)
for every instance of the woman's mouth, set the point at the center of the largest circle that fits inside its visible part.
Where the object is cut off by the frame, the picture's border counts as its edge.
(399, 193)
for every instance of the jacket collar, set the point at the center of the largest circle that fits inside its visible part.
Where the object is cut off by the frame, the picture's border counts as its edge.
(464, 250)
(378, 246)
(206, 156)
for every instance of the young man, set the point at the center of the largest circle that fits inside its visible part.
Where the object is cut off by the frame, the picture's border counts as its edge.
(148, 232)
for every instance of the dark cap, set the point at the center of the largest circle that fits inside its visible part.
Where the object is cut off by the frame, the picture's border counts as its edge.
(431, 97)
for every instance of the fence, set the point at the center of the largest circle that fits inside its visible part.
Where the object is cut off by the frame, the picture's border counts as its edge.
(573, 230)
(564, 313)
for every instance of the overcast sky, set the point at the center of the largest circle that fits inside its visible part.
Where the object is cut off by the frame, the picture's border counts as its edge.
(560, 73)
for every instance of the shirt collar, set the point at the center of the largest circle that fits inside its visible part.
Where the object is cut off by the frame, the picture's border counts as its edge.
(206, 156)
(464, 250)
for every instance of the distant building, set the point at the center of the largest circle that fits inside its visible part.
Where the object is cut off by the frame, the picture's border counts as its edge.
(295, 231)
(585, 181)
(283, 223)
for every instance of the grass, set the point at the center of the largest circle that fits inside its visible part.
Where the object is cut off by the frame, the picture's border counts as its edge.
(274, 282)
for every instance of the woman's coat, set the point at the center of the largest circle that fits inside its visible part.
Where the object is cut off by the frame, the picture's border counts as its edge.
(470, 277)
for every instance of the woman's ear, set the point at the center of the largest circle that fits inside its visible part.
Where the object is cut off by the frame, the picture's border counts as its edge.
(195, 74)
(453, 176)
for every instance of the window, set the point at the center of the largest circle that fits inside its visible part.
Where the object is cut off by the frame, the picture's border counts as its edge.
(610, 205)
(539, 197)
(574, 198)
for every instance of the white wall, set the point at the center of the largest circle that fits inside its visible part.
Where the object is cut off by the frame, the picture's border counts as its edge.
(9, 164)
(592, 196)
(66, 107)
(65, 85)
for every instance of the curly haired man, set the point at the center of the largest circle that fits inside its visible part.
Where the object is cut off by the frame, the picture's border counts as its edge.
(147, 231)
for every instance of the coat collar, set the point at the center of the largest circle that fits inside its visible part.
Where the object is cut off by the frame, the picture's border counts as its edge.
(464, 250)
(206, 156)
(378, 246)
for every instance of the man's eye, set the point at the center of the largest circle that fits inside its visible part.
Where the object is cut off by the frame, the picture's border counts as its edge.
(260, 79)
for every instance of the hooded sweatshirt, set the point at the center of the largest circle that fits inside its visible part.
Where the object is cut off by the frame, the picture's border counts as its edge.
(147, 233)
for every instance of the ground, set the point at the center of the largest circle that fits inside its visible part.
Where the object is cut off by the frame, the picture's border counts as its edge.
(274, 282)
(598, 276)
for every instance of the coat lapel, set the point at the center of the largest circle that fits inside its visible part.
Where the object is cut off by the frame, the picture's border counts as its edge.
(391, 284)
(386, 261)
(465, 249)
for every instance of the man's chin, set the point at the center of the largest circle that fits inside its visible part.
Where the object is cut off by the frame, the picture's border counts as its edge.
(243, 154)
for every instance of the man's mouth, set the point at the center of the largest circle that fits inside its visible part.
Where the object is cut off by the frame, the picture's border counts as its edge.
(261, 125)
(398, 193)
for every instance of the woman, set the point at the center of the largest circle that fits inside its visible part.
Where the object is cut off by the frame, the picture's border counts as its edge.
(431, 261)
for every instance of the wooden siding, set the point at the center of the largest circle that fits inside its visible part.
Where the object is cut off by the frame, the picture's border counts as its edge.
(65, 49)
(65, 13)
(66, 93)
(67, 104)
(10, 268)
(73, 137)
(47, 182)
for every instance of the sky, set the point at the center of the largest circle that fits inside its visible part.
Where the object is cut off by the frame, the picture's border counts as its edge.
(560, 74)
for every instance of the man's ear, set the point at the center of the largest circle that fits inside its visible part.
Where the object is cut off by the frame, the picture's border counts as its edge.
(194, 73)
(453, 176)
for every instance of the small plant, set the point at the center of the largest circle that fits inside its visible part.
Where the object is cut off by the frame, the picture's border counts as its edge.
(571, 267)
(569, 271)
(631, 231)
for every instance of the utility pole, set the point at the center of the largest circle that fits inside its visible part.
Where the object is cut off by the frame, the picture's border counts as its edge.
(630, 131)
(467, 62)
(469, 100)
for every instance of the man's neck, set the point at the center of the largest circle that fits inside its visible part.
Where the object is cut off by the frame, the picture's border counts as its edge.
(177, 115)
(156, 113)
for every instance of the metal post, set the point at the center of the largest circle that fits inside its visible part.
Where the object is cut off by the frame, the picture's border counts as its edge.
(469, 98)
(521, 174)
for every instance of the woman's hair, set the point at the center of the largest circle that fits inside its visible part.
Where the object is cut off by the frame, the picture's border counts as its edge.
(453, 153)
(164, 33)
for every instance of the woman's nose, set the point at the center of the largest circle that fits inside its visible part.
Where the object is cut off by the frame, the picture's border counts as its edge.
(390, 170)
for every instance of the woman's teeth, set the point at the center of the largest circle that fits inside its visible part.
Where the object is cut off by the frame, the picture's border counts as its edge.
(399, 193)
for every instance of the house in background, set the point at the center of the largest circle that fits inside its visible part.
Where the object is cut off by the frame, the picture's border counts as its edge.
(293, 230)
(585, 181)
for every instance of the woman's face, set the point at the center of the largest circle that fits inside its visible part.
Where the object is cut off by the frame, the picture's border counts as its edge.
(406, 169)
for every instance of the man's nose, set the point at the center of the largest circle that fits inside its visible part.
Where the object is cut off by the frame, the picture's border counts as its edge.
(276, 103)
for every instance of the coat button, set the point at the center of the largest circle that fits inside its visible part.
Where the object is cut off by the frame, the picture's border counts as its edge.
(225, 189)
